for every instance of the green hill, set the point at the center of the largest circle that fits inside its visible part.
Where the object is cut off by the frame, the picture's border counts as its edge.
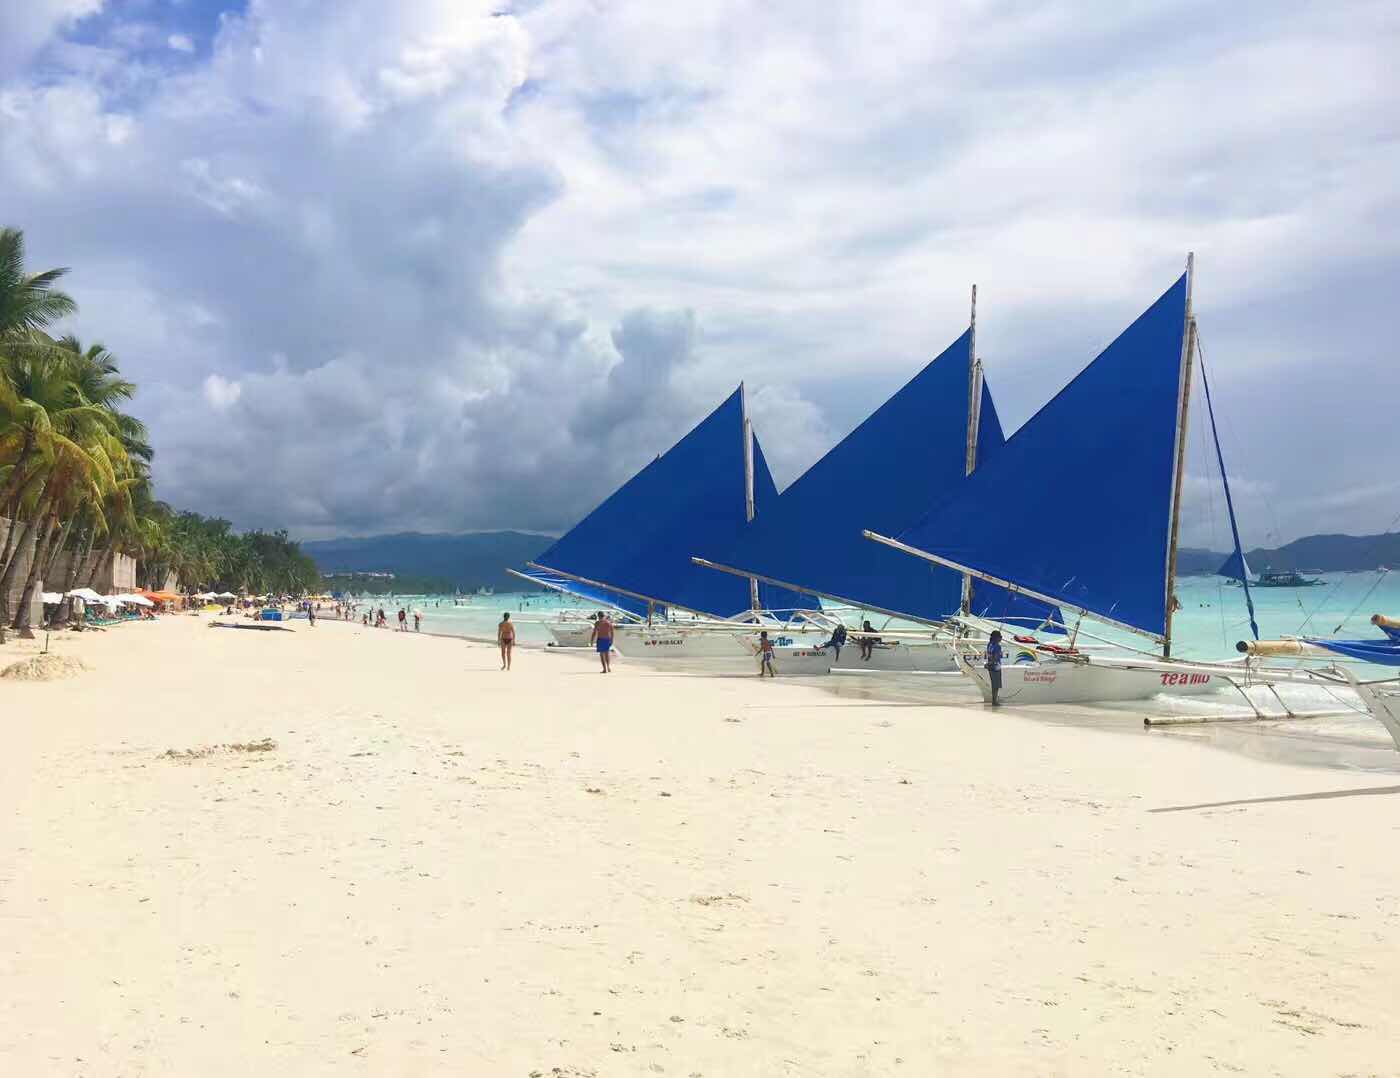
(435, 562)
(1320, 553)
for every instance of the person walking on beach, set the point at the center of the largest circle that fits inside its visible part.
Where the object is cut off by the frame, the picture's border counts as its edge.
(993, 664)
(403, 621)
(505, 636)
(765, 655)
(602, 637)
(311, 614)
(418, 621)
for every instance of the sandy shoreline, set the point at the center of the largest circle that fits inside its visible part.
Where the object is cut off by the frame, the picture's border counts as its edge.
(442, 869)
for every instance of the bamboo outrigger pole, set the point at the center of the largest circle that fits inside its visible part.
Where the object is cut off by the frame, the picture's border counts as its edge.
(1188, 352)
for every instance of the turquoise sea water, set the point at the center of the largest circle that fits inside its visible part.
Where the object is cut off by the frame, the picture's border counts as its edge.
(1211, 620)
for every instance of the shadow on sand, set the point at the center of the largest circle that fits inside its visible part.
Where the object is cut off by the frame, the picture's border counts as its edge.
(1320, 795)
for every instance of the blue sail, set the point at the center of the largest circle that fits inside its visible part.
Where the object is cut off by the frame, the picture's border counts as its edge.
(1077, 504)
(1381, 652)
(989, 600)
(1235, 567)
(910, 451)
(639, 539)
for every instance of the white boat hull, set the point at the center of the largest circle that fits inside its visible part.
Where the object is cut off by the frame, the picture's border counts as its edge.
(570, 636)
(669, 642)
(1094, 681)
(899, 655)
(800, 661)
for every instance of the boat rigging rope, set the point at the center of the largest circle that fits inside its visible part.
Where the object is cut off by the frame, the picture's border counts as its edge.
(1380, 575)
(1362, 601)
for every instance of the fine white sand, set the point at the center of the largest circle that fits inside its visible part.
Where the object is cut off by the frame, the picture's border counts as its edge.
(444, 869)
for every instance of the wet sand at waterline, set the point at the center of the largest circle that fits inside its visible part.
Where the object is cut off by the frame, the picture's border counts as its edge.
(352, 851)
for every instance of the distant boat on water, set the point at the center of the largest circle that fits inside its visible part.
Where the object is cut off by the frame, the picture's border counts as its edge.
(1285, 578)
(1280, 578)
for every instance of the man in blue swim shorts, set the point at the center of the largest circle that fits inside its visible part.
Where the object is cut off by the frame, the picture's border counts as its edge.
(603, 638)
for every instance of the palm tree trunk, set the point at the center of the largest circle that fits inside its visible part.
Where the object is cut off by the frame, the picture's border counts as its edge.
(17, 476)
(57, 549)
(80, 563)
(7, 577)
(16, 502)
(21, 623)
(75, 566)
(108, 552)
(11, 534)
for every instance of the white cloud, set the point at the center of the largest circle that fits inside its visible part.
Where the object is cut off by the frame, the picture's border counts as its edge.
(25, 26)
(180, 42)
(221, 393)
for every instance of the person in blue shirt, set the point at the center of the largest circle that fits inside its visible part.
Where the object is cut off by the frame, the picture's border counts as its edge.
(993, 664)
(838, 640)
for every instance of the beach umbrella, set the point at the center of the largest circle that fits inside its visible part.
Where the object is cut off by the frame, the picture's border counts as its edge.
(87, 595)
(51, 597)
(136, 600)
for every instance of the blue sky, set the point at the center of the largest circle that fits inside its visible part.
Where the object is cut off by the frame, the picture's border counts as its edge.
(385, 266)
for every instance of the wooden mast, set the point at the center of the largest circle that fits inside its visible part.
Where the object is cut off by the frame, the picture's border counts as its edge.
(748, 481)
(1188, 352)
(974, 419)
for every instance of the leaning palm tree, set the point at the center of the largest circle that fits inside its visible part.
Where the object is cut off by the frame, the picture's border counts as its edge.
(29, 303)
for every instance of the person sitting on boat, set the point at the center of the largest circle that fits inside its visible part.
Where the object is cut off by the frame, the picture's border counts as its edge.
(868, 640)
(838, 640)
(993, 664)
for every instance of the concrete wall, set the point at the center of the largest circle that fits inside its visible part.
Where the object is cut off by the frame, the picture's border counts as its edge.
(115, 578)
(123, 574)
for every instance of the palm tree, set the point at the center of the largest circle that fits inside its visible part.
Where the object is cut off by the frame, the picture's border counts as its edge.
(29, 302)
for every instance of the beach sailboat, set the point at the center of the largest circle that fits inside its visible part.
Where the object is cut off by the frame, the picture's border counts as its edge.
(1104, 521)
(909, 453)
(633, 548)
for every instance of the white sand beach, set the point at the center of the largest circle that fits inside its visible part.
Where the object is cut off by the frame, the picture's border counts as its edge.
(443, 869)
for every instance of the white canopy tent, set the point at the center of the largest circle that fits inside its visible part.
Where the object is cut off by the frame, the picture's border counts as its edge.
(87, 595)
(51, 597)
(135, 600)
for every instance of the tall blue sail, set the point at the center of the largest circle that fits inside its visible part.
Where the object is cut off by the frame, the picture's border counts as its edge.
(639, 539)
(989, 600)
(907, 453)
(1077, 504)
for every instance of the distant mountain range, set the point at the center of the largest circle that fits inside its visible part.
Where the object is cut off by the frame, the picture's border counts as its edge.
(469, 561)
(1322, 553)
(480, 559)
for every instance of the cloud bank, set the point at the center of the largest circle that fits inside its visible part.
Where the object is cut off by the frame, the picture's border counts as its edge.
(449, 265)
